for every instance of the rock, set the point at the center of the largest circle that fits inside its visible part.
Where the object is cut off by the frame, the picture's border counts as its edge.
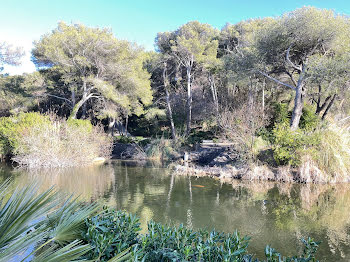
(98, 160)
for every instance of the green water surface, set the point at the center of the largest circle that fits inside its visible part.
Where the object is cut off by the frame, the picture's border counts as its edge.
(270, 213)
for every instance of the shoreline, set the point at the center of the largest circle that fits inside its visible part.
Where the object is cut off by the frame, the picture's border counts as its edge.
(303, 175)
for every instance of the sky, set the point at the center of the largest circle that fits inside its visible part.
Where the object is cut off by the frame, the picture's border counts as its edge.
(24, 21)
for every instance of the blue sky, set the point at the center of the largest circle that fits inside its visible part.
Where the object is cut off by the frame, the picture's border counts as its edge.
(22, 22)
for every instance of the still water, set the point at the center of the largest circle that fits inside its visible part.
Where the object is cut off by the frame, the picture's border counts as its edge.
(270, 213)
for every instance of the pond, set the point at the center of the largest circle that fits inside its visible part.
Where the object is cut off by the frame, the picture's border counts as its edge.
(270, 213)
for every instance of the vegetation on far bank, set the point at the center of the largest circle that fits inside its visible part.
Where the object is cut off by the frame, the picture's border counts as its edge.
(276, 89)
(38, 140)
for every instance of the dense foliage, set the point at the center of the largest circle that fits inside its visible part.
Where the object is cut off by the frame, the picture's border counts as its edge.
(111, 231)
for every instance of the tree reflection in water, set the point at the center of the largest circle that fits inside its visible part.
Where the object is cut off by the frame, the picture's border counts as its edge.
(271, 213)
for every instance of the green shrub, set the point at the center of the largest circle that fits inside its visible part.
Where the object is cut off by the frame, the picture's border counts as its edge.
(288, 145)
(309, 121)
(14, 127)
(164, 243)
(83, 124)
(110, 233)
(281, 114)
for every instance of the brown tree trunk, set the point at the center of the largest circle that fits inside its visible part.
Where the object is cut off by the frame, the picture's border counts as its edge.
(328, 107)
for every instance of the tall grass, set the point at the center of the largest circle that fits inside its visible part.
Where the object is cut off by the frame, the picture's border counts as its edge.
(54, 142)
(333, 152)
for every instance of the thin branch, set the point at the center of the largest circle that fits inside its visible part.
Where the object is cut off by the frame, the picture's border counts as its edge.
(290, 62)
(276, 80)
(62, 98)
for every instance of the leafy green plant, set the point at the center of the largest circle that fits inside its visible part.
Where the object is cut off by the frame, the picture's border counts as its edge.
(288, 145)
(309, 121)
(110, 233)
(310, 249)
(164, 243)
(83, 124)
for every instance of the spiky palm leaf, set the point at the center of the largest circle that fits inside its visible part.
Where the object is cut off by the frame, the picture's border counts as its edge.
(20, 216)
(27, 218)
(72, 251)
(69, 220)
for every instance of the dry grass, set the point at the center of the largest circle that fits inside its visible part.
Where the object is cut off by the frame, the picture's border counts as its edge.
(333, 153)
(58, 144)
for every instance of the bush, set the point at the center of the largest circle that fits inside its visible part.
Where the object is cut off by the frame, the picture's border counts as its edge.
(13, 128)
(110, 233)
(160, 149)
(82, 124)
(164, 243)
(309, 121)
(288, 145)
(240, 126)
(35, 140)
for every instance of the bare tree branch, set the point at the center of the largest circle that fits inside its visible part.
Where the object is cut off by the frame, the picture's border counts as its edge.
(276, 80)
(290, 62)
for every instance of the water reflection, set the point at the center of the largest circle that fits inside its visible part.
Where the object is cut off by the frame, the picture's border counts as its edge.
(271, 213)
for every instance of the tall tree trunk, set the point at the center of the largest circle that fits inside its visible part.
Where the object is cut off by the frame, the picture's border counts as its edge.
(83, 116)
(189, 100)
(328, 107)
(167, 96)
(79, 104)
(298, 108)
(111, 125)
(214, 93)
(126, 125)
(298, 101)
